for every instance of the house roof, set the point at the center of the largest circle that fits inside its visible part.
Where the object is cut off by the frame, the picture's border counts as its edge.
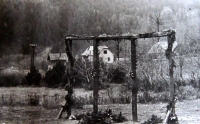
(161, 47)
(89, 50)
(57, 56)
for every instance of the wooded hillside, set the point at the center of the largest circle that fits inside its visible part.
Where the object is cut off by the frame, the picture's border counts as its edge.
(47, 22)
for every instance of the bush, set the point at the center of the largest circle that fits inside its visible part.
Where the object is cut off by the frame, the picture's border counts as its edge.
(187, 92)
(156, 86)
(34, 77)
(119, 75)
(56, 76)
(145, 85)
(160, 86)
(180, 83)
(11, 80)
(195, 83)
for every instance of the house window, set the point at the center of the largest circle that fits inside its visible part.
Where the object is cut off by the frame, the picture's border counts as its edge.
(105, 52)
(108, 58)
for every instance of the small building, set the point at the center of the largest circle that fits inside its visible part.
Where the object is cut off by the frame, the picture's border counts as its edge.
(105, 54)
(56, 57)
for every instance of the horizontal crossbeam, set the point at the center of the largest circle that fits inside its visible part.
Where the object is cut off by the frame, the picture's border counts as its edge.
(105, 37)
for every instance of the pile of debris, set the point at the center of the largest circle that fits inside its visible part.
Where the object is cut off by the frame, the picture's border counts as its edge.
(153, 120)
(106, 117)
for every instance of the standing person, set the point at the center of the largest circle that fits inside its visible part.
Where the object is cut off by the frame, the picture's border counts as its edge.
(68, 103)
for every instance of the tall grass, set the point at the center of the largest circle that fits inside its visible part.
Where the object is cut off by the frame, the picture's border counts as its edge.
(115, 94)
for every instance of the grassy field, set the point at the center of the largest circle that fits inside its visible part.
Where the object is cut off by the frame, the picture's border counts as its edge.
(187, 110)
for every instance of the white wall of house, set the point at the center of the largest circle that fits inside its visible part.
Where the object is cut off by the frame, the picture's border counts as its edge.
(104, 54)
(90, 58)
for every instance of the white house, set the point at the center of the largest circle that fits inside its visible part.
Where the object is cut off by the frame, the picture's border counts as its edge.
(158, 49)
(105, 54)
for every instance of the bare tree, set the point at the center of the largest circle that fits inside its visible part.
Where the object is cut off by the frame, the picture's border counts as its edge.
(157, 20)
(84, 69)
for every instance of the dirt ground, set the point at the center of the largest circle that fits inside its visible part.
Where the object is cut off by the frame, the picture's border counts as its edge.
(188, 112)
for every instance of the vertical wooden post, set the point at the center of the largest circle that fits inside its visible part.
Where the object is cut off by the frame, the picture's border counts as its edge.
(69, 78)
(169, 55)
(95, 75)
(134, 79)
(118, 49)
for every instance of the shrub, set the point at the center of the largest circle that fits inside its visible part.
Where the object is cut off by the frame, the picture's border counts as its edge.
(180, 83)
(11, 80)
(156, 85)
(160, 86)
(145, 84)
(34, 77)
(56, 76)
(194, 83)
(119, 75)
(187, 92)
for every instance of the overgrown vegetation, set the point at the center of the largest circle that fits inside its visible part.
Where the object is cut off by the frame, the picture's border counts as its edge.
(157, 85)
(149, 97)
(34, 77)
(83, 73)
(11, 80)
(102, 117)
(56, 76)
